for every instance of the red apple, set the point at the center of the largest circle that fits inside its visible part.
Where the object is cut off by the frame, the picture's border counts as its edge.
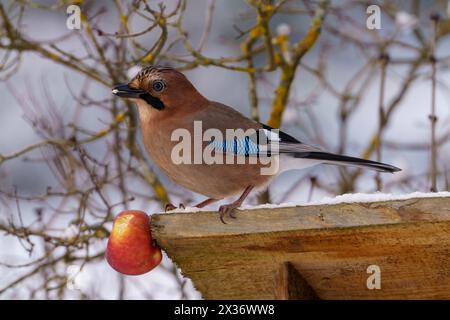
(130, 247)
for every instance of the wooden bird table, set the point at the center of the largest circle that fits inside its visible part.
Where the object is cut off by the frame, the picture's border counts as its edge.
(315, 252)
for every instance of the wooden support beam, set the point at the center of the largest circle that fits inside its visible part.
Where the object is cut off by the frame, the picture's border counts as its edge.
(290, 285)
(328, 249)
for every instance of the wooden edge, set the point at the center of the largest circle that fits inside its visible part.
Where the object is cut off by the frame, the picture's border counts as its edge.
(263, 220)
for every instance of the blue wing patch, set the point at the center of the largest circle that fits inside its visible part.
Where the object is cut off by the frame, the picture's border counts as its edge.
(242, 147)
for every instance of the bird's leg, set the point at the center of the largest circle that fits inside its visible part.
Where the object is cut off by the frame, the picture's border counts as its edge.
(227, 209)
(202, 204)
(206, 202)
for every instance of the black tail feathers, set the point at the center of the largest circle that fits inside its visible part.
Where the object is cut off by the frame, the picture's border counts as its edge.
(330, 158)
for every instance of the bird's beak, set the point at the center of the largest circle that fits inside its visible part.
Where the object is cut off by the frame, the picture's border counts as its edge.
(124, 91)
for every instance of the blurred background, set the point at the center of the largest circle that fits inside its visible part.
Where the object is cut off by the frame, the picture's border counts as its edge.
(348, 76)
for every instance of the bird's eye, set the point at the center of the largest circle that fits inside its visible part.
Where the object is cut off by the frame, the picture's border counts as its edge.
(158, 86)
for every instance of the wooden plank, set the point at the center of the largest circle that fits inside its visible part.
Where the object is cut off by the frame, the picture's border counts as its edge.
(331, 246)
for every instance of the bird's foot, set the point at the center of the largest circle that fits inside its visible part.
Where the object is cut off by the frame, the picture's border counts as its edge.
(227, 209)
(170, 207)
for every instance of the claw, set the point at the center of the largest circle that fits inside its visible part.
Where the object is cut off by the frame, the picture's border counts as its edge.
(222, 214)
(170, 207)
(226, 209)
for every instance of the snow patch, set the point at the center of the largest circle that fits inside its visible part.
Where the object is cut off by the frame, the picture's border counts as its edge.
(345, 198)
(188, 210)
(354, 198)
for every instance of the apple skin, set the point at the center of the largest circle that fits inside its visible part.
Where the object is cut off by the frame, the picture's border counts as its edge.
(131, 249)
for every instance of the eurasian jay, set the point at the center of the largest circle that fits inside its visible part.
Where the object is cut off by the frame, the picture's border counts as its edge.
(168, 101)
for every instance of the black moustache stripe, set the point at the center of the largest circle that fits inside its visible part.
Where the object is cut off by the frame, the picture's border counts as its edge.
(153, 101)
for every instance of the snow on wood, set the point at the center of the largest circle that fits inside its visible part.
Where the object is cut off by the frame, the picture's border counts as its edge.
(345, 198)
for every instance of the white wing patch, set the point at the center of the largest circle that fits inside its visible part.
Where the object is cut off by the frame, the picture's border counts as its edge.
(272, 135)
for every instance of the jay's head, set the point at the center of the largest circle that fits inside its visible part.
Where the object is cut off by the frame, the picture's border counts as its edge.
(161, 88)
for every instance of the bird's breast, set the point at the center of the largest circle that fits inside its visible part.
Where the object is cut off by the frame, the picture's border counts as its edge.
(175, 150)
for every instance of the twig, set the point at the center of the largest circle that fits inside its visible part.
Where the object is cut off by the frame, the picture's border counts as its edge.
(384, 60)
(433, 118)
